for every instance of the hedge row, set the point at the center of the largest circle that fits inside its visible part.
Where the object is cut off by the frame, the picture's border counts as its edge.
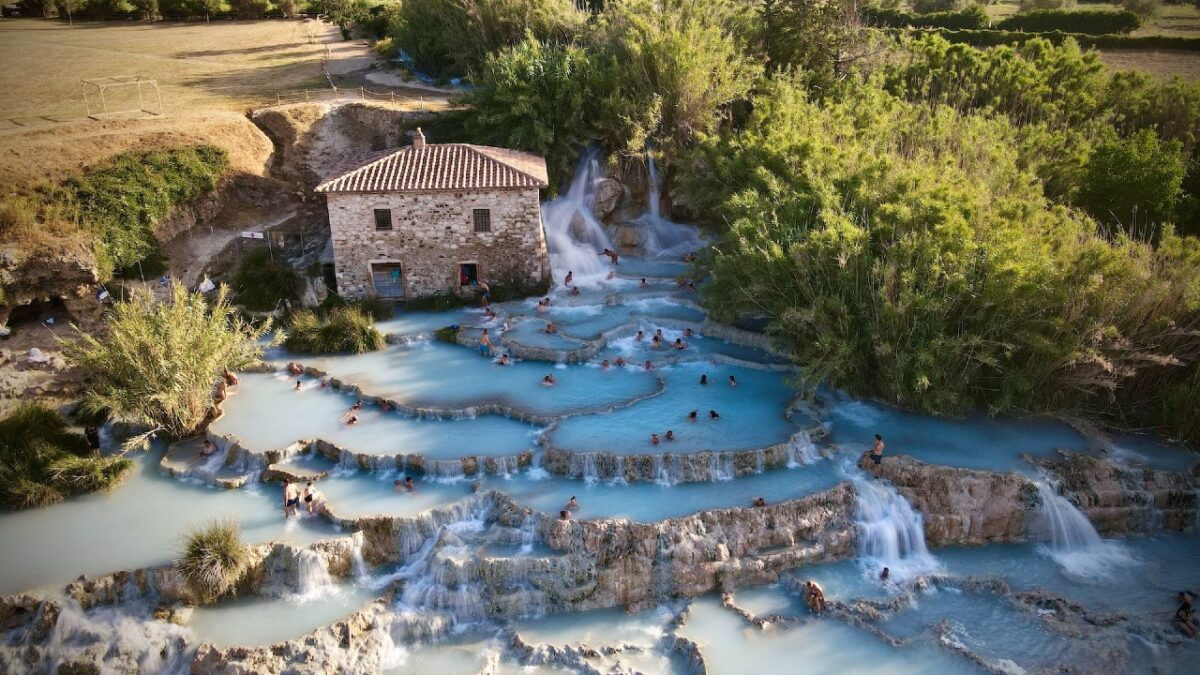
(970, 18)
(991, 38)
(1089, 21)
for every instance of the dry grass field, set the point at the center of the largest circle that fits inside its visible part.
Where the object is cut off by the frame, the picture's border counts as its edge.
(226, 65)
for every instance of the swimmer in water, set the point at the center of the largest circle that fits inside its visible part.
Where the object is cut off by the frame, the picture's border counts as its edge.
(648, 366)
(653, 439)
(644, 284)
(572, 503)
(640, 336)
(620, 362)
(732, 381)
(548, 380)
(297, 385)
(670, 435)
(712, 415)
(691, 416)
(704, 379)
(604, 364)
(570, 277)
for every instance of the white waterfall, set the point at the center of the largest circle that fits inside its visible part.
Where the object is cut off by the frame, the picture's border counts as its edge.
(801, 450)
(312, 576)
(660, 236)
(891, 532)
(122, 632)
(574, 236)
(1073, 541)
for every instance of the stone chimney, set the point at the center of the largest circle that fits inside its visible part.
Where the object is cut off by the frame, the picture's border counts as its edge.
(418, 139)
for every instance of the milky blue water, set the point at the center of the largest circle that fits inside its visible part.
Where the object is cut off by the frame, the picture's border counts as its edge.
(266, 412)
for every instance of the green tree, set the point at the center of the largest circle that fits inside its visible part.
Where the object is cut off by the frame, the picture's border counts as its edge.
(147, 8)
(250, 9)
(1135, 182)
(157, 362)
(824, 39)
(70, 7)
(289, 8)
(929, 6)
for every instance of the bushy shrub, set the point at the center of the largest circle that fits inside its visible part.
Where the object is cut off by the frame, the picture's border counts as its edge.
(386, 47)
(930, 6)
(1032, 5)
(250, 9)
(42, 462)
(970, 18)
(1133, 183)
(156, 363)
(213, 559)
(454, 37)
(376, 308)
(908, 275)
(343, 330)
(1092, 22)
(123, 199)
(994, 38)
(261, 283)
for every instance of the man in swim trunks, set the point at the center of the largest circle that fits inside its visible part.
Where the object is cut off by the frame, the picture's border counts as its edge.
(485, 343)
(291, 498)
(877, 449)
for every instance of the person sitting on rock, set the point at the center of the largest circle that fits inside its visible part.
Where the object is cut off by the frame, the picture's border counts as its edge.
(814, 597)
(570, 277)
(222, 393)
(564, 515)
(294, 369)
(230, 378)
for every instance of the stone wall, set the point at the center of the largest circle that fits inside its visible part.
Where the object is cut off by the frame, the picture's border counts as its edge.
(432, 232)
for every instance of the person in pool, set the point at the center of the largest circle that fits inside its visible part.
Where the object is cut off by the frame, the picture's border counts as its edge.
(572, 503)
(653, 439)
(485, 343)
(352, 420)
(691, 416)
(1185, 615)
(564, 515)
(680, 344)
(732, 381)
(712, 415)
(814, 596)
(604, 364)
(643, 284)
(612, 255)
(548, 380)
(291, 498)
(311, 496)
(574, 290)
(670, 435)
(550, 328)
(570, 277)
(877, 449)
(688, 332)
(704, 379)
(759, 502)
(358, 405)
(620, 362)
(207, 449)
(489, 313)
(885, 575)
(294, 369)
(504, 360)
(297, 385)
(648, 366)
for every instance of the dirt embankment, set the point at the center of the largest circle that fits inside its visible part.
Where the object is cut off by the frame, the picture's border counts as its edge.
(313, 140)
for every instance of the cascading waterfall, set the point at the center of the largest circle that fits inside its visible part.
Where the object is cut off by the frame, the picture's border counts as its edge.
(891, 532)
(574, 235)
(801, 450)
(1073, 541)
(155, 646)
(662, 237)
(312, 576)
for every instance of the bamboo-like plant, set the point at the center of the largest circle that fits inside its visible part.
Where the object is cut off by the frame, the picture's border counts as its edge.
(156, 365)
(213, 559)
(345, 329)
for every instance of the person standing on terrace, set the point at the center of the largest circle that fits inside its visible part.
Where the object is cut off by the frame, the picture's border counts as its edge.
(485, 343)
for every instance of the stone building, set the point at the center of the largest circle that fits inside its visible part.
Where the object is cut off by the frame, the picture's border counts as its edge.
(428, 219)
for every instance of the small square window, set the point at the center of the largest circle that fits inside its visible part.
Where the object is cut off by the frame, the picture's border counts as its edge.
(383, 219)
(483, 220)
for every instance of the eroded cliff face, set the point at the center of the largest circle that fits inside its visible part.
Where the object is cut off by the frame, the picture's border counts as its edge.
(1121, 500)
(961, 506)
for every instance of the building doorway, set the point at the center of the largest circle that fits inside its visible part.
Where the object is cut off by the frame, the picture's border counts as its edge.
(468, 274)
(388, 280)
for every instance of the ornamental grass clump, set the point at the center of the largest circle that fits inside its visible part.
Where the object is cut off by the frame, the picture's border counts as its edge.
(213, 559)
(343, 330)
(43, 462)
(156, 365)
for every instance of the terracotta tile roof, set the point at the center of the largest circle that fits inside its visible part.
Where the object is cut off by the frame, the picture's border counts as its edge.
(444, 166)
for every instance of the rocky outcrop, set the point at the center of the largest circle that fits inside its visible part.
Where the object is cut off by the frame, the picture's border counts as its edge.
(1121, 499)
(961, 506)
